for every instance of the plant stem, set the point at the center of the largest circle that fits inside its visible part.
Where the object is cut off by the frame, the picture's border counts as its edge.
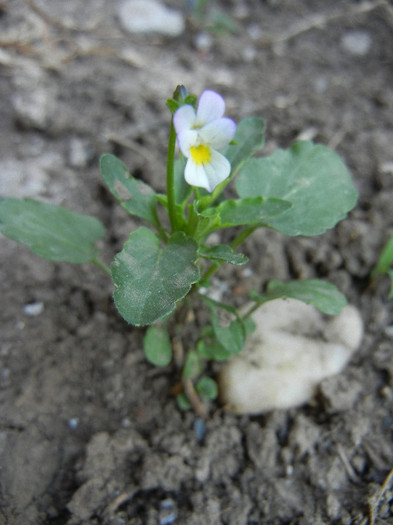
(192, 220)
(237, 241)
(251, 310)
(102, 266)
(170, 177)
(242, 236)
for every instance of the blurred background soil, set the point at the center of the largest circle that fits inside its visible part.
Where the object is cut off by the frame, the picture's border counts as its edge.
(89, 431)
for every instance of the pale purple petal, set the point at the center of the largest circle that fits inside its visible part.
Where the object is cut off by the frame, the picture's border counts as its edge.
(196, 175)
(184, 118)
(186, 139)
(218, 169)
(211, 107)
(218, 133)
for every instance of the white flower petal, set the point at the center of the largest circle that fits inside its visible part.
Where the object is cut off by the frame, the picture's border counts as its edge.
(218, 133)
(211, 107)
(218, 169)
(196, 175)
(186, 139)
(184, 118)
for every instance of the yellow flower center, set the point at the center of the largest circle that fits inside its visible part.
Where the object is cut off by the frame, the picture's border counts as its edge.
(200, 154)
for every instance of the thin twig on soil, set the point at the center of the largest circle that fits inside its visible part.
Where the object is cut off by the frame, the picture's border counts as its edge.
(376, 500)
(192, 396)
(347, 465)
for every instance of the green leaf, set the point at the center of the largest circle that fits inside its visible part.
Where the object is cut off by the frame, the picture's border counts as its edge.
(213, 350)
(149, 278)
(248, 211)
(208, 221)
(172, 105)
(222, 252)
(193, 366)
(228, 329)
(323, 295)
(385, 260)
(312, 177)
(207, 388)
(51, 231)
(249, 138)
(134, 195)
(191, 100)
(157, 345)
(183, 402)
(250, 326)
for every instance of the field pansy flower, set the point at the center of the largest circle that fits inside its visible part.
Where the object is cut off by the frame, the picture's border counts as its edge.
(200, 134)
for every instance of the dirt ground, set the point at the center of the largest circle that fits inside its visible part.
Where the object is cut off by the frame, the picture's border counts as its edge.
(90, 433)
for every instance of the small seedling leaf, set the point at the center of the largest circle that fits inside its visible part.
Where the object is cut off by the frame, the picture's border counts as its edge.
(157, 345)
(207, 388)
(222, 252)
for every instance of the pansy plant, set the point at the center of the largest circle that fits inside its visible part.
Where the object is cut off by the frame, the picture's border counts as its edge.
(166, 266)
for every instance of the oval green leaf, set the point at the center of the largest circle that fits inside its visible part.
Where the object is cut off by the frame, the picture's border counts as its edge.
(323, 295)
(134, 195)
(157, 345)
(312, 177)
(150, 278)
(51, 231)
(207, 388)
(222, 252)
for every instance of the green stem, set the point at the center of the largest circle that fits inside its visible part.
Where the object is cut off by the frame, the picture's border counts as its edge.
(237, 241)
(242, 236)
(252, 310)
(160, 230)
(192, 220)
(170, 177)
(102, 266)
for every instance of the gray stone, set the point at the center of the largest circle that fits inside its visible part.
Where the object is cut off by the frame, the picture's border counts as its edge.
(79, 153)
(356, 43)
(150, 16)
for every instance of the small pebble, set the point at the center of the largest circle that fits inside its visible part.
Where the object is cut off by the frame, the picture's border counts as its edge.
(149, 17)
(200, 429)
(73, 423)
(33, 309)
(247, 272)
(203, 42)
(79, 153)
(356, 43)
(168, 512)
(321, 84)
(249, 53)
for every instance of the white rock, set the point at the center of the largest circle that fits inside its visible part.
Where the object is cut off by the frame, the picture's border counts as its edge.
(33, 309)
(293, 348)
(150, 16)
